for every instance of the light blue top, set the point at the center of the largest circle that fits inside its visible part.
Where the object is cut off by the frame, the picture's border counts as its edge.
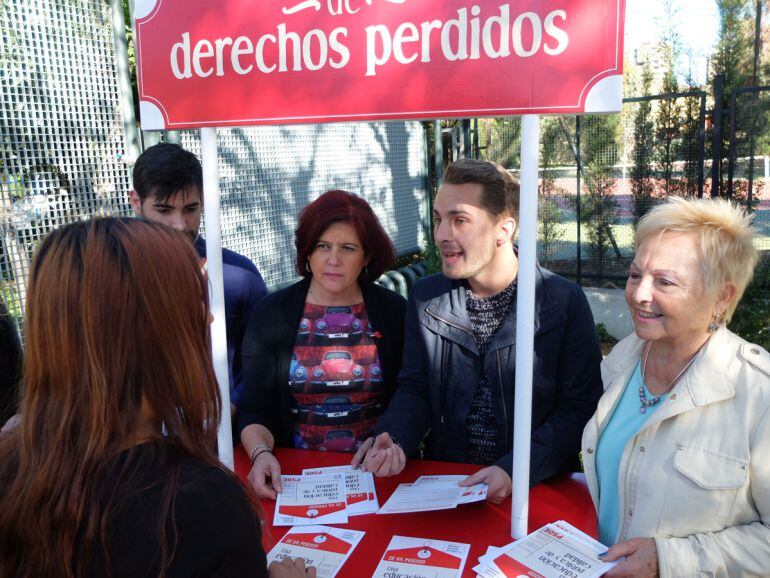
(624, 424)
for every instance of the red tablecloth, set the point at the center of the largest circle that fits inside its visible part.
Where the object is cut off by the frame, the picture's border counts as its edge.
(478, 524)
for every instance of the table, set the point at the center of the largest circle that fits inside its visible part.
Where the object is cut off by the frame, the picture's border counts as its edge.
(479, 524)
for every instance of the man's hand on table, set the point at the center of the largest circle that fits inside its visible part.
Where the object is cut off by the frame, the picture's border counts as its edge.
(291, 568)
(496, 478)
(381, 456)
(265, 476)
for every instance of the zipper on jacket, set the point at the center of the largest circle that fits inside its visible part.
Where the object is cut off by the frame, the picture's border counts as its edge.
(502, 398)
(443, 360)
(460, 327)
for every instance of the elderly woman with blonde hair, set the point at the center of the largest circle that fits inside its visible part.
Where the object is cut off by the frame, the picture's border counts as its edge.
(677, 455)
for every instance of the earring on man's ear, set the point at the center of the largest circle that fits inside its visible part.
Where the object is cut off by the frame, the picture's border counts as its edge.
(715, 320)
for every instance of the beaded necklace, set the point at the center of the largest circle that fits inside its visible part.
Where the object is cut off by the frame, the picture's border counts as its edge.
(643, 397)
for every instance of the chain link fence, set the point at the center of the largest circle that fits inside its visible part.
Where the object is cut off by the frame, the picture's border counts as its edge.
(62, 138)
(60, 127)
(748, 164)
(600, 174)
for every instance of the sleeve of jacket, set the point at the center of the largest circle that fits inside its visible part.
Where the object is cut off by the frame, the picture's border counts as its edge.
(253, 290)
(556, 441)
(742, 550)
(258, 372)
(408, 416)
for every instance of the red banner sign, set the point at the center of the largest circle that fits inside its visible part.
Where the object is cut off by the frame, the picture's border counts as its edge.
(241, 62)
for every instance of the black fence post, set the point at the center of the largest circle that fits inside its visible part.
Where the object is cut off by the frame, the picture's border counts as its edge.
(701, 143)
(731, 150)
(467, 150)
(578, 267)
(716, 135)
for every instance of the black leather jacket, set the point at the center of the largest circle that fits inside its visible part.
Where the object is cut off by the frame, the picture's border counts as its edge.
(442, 366)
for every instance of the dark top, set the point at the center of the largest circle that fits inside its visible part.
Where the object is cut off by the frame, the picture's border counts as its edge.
(217, 531)
(486, 315)
(443, 362)
(269, 341)
(244, 288)
(10, 365)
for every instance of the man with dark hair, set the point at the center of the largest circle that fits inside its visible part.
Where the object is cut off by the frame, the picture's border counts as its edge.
(168, 188)
(458, 372)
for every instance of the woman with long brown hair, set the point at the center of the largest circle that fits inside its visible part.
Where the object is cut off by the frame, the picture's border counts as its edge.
(112, 470)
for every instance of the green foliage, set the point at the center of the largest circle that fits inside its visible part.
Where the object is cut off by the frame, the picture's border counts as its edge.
(505, 144)
(604, 335)
(432, 258)
(549, 215)
(689, 152)
(641, 171)
(734, 52)
(548, 230)
(12, 303)
(600, 209)
(752, 317)
(668, 125)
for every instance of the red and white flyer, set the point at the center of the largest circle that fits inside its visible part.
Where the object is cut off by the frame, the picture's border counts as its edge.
(324, 547)
(475, 493)
(557, 550)
(308, 500)
(422, 558)
(360, 493)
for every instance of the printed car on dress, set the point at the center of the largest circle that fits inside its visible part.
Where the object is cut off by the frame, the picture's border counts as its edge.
(304, 328)
(297, 374)
(375, 373)
(339, 440)
(335, 410)
(338, 323)
(337, 369)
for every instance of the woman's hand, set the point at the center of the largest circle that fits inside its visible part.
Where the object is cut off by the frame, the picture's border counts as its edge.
(381, 456)
(291, 568)
(265, 476)
(641, 559)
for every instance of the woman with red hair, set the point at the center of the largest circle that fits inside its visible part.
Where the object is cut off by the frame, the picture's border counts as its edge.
(320, 358)
(111, 470)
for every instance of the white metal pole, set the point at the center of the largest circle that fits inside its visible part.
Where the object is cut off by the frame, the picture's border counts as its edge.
(216, 288)
(525, 323)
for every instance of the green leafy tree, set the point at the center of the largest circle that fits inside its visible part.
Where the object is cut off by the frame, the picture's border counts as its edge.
(733, 57)
(601, 209)
(642, 173)
(549, 215)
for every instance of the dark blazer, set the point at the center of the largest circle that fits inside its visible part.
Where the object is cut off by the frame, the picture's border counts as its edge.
(442, 366)
(269, 341)
(10, 365)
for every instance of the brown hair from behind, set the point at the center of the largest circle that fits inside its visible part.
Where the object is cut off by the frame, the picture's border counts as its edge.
(117, 318)
(500, 190)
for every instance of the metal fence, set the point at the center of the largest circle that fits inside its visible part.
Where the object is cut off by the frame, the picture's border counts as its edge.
(60, 127)
(600, 174)
(63, 135)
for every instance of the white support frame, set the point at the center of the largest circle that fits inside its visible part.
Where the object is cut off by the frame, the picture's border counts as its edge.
(525, 323)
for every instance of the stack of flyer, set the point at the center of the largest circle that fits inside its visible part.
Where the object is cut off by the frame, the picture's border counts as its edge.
(321, 546)
(360, 494)
(325, 496)
(432, 493)
(557, 550)
(422, 558)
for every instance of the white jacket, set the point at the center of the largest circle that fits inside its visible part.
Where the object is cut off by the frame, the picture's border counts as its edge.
(696, 477)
